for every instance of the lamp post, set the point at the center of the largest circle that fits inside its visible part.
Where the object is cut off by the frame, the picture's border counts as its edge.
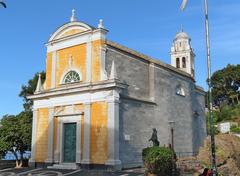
(210, 105)
(171, 125)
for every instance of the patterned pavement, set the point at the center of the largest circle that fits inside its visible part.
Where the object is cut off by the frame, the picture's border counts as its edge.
(54, 172)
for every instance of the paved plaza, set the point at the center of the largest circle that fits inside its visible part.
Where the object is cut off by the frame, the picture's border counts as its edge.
(54, 172)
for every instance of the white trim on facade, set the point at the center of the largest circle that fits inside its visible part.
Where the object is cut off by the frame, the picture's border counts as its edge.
(69, 26)
(87, 125)
(68, 70)
(72, 99)
(77, 39)
(50, 158)
(61, 122)
(53, 76)
(89, 59)
(78, 88)
(113, 131)
(57, 151)
(34, 136)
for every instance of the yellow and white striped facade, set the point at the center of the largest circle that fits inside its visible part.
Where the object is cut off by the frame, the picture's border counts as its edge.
(92, 103)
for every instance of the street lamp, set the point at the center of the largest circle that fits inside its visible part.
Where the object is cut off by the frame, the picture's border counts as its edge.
(210, 105)
(171, 125)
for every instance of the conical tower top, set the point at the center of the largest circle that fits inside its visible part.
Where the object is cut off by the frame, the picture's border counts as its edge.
(39, 84)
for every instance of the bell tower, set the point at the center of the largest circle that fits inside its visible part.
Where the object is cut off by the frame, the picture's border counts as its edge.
(182, 55)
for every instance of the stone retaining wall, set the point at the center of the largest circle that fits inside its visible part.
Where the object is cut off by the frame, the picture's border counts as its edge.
(6, 164)
(188, 165)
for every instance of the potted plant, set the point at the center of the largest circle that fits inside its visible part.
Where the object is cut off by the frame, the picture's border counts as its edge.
(158, 161)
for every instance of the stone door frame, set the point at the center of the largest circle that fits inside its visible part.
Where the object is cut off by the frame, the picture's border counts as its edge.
(60, 142)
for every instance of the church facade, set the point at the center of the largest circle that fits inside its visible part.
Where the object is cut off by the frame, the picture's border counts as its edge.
(101, 100)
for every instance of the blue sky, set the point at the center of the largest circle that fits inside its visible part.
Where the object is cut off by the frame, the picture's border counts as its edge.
(148, 26)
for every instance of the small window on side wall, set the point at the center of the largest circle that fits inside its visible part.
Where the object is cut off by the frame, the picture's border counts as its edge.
(180, 91)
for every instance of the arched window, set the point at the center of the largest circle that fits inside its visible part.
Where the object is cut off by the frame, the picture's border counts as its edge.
(184, 62)
(177, 63)
(71, 77)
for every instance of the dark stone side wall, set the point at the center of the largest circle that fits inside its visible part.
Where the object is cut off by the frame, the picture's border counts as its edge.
(137, 118)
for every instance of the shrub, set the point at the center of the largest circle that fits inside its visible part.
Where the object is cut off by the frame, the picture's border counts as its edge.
(158, 160)
(235, 129)
(226, 113)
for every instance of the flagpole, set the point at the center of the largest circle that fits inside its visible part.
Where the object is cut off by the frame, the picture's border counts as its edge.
(210, 105)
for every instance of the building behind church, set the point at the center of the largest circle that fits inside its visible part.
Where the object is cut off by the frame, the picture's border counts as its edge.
(101, 100)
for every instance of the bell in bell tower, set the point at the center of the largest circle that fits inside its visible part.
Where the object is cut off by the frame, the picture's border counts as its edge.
(182, 55)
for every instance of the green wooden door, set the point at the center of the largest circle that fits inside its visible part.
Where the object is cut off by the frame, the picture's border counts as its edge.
(69, 144)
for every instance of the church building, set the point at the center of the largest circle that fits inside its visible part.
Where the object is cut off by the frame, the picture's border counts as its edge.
(101, 100)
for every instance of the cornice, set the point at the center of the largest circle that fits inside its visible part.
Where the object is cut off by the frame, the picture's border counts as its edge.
(79, 88)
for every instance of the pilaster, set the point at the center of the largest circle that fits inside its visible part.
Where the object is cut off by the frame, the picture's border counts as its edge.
(60, 140)
(180, 60)
(34, 136)
(54, 62)
(78, 140)
(87, 125)
(50, 135)
(151, 82)
(89, 59)
(113, 131)
(58, 147)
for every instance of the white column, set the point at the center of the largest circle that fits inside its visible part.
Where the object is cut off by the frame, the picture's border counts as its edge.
(180, 60)
(89, 60)
(59, 135)
(34, 136)
(189, 63)
(87, 125)
(78, 140)
(60, 140)
(50, 135)
(113, 131)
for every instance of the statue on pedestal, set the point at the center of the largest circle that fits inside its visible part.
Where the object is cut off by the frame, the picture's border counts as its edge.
(154, 138)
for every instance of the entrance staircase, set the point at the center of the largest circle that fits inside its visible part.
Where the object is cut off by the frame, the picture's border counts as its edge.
(65, 166)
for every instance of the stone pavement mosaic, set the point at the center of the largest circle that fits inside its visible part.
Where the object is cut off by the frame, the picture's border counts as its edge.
(54, 172)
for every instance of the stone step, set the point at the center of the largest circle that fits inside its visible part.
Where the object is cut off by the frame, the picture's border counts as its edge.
(65, 166)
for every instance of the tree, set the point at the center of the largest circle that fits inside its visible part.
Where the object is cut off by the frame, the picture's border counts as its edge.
(226, 85)
(29, 89)
(15, 136)
(15, 131)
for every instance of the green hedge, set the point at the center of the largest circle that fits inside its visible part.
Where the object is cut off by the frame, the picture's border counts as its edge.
(158, 160)
(235, 129)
